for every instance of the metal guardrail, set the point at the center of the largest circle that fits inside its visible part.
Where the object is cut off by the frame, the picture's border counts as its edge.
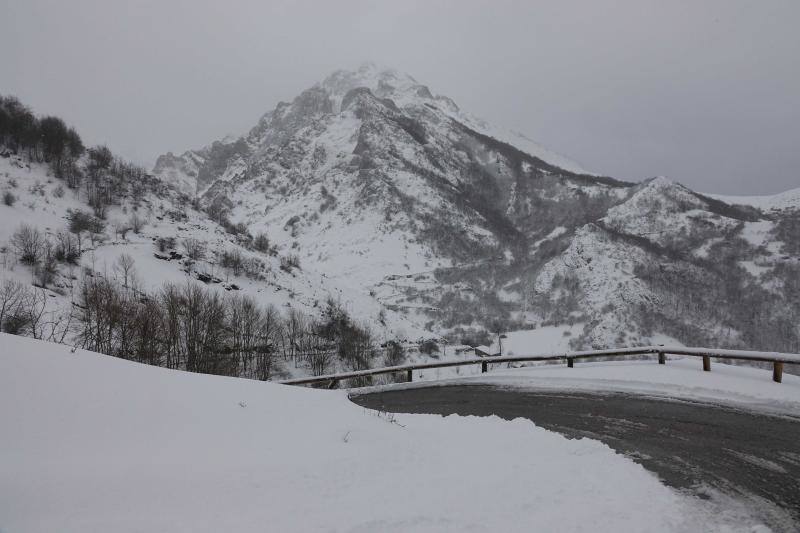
(777, 359)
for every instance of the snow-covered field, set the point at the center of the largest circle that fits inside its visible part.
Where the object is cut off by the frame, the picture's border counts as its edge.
(92, 443)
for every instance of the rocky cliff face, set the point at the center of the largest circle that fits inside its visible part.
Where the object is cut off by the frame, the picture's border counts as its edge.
(372, 179)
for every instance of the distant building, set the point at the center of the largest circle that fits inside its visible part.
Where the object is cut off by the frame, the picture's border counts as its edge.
(463, 349)
(486, 351)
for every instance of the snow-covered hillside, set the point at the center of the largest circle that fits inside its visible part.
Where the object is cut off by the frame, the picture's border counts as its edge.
(93, 443)
(787, 200)
(368, 174)
(159, 255)
(37, 204)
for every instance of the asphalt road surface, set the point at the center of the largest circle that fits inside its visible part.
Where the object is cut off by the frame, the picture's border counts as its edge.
(703, 449)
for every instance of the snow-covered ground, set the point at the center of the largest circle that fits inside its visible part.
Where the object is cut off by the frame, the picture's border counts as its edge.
(785, 200)
(92, 443)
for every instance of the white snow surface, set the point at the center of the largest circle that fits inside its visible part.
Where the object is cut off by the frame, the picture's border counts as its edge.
(785, 200)
(92, 443)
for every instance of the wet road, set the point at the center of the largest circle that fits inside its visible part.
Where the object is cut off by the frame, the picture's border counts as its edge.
(699, 448)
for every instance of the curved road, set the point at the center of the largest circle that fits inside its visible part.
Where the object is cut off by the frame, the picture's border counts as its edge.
(699, 448)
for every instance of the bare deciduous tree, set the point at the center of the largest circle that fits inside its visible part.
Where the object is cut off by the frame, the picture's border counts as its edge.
(135, 222)
(125, 269)
(12, 294)
(194, 248)
(28, 241)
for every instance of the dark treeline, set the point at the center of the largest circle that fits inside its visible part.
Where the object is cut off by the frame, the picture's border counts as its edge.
(45, 139)
(107, 179)
(192, 328)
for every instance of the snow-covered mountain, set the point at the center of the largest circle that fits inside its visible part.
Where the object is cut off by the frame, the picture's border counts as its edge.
(422, 221)
(384, 186)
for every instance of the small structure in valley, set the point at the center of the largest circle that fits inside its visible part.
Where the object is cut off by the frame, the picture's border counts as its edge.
(487, 351)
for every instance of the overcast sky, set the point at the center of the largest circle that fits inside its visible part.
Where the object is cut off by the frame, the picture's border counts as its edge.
(706, 92)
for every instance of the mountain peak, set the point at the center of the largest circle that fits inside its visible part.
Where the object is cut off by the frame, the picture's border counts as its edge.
(370, 75)
(383, 82)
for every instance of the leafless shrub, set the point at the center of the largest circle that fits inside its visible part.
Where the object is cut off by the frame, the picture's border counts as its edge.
(195, 249)
(28, 241)
(233, 260)
(67, 248)
(165, 243)
(290, 262)
(12, 295)
(261, 243)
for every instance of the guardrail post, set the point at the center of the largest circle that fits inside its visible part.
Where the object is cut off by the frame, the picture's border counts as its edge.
(777, 371)
(484, 367)
(707, 363)
(410, 376)
(661, 358)
(570, 362)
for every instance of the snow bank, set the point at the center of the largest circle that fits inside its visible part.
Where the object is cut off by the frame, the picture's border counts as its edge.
(91, 443)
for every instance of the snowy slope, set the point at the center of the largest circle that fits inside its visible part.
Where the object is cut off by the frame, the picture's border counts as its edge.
(167, 216)
(660, 209)
(787, 200)
(93, 443)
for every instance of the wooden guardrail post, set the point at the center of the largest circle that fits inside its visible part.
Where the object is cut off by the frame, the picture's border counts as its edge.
(484, 367)
(410, 376)
(662, 359)
(707, 363)
(570, 362)
(777, 371)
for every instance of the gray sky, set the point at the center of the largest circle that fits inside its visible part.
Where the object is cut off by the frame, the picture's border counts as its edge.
(706, 92)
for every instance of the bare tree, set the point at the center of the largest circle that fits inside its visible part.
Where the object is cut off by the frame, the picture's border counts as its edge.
(136, 222)
(12, 294)
(194, 248)
(45, 271)
(67, 247)
(34, 309)
(121, 229)
(294, 329)
(28, 241)
(171, 304)
(268, 331)
(125, 268)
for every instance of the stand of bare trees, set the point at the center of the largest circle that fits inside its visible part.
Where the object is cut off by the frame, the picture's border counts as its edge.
(184, 327)
(23, 311)
(192, 328)
(46, 139)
